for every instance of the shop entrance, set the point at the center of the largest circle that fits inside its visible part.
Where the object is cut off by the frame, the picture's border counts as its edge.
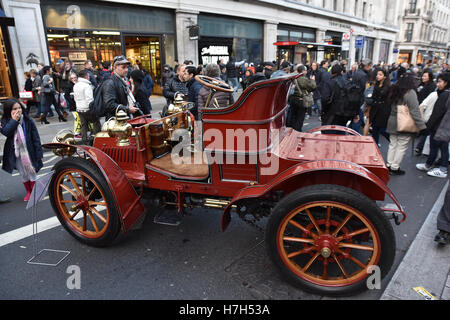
(285, 53)
(145, 51)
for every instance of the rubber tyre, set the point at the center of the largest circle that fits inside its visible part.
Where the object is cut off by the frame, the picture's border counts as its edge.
(87, 167)
(337, 194)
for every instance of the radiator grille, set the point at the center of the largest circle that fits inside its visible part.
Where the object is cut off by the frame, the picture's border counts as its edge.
(121, 154)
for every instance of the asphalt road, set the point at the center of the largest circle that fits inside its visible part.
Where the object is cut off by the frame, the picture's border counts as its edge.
(192, 261)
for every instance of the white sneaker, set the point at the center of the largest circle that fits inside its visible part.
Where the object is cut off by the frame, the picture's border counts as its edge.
(423, 167)
(437, 172)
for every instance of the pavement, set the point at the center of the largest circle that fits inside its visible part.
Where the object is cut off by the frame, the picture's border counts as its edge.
(422, 273)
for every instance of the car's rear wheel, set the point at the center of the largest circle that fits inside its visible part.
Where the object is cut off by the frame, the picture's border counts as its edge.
(83, 202)
(327, 239)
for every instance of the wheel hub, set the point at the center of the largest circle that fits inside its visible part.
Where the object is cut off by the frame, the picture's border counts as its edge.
(326, 244)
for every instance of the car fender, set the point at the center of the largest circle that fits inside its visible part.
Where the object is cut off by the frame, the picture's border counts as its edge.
(308, 169)
(126, 199)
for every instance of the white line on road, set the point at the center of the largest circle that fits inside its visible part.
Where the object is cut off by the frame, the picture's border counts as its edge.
(27, 231)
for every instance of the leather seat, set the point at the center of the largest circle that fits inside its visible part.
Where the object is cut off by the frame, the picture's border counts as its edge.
(196, 170)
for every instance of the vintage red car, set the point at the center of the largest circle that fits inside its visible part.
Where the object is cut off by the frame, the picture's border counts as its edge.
(324, 231)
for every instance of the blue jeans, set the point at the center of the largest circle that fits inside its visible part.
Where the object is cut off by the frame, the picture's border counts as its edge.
(435, 146)
(234, 83)
(376, 131)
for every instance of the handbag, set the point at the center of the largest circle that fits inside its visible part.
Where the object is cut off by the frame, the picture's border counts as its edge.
(405, 122)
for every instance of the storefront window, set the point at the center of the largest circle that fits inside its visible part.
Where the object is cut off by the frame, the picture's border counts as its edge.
(384, 51)
(5, 82)
(369, 48)
(239, 38)
(79, 46)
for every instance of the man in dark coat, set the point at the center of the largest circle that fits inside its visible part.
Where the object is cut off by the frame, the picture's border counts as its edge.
(89, 67)
(116, 91)
(176, 84)
(332, 99)
(194, 88)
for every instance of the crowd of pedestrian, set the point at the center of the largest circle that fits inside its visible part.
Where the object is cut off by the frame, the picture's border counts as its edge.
(365, 97)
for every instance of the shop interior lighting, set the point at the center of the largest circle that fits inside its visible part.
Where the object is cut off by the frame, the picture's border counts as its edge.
(57, 35)
(108, 33)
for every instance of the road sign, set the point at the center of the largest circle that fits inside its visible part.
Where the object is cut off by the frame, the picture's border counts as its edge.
(345, 36)
(359, 42)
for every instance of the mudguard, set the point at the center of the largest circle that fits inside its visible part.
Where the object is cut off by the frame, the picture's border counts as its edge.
(126, 199)
(294, 172)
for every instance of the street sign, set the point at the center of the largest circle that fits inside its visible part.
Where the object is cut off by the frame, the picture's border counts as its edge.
(359, 42)
(345, 46)
(345, 36)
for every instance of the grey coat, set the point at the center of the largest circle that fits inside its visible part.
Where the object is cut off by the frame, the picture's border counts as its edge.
(36, 84)
(410, 98)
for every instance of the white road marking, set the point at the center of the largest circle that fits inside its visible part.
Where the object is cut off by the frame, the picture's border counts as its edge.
(27, 231)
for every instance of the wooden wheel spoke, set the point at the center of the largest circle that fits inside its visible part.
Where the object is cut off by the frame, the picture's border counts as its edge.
(73, 215)
(310, 262)
(68, 190)
(352, 234)
(355, 246)
(67, 201)
(299, 226)
(340, 266)
(297, 253)
(325, 265)
(84, 221)
(75, 184)
(97, 203)
(93, 220)
(347, 218)
(294, 239)
(83, 186)
(327, 221)
(356, 261)
(91, 193)
(98, 214)
(313, 221)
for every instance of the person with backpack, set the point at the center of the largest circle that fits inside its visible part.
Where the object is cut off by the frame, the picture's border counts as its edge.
(301, 99)
(105, 73)
(335, 106)
(83, 94)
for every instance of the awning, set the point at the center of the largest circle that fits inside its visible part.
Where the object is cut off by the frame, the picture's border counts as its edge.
(6, 21)
(294, 43)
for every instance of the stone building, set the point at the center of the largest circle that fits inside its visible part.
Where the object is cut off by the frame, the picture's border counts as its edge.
(424, 31)
(152, 33)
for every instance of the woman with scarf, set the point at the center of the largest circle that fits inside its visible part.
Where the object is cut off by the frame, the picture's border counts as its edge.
(22, 150)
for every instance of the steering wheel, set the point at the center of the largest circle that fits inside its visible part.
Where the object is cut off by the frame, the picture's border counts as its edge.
(214, 83)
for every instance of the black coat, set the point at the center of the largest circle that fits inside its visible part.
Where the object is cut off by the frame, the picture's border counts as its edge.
(33, 144)
(175, 85)
(380, 109)
(141, 96)
(424, 90)
(439, 110)
(114, 94)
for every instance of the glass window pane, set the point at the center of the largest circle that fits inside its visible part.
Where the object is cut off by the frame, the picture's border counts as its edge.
(215, 26)
(282, 35)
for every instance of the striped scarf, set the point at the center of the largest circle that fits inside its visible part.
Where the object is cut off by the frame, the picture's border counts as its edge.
(20, 149)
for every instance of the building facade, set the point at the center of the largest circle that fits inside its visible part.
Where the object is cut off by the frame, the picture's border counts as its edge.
(152, 33)
(424, 31)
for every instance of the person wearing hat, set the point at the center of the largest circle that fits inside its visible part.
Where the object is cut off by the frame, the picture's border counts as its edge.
(116, 92)
(285, 69)
(140, 91)
(268, 69)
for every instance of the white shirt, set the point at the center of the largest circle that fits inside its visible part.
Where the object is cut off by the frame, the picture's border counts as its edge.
(83, 94)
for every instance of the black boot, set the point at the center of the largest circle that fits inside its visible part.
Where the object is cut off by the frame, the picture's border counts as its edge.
(442, 237)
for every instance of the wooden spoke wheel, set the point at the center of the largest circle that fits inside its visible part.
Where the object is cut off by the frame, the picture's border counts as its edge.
(326, 239)
(83, 202)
